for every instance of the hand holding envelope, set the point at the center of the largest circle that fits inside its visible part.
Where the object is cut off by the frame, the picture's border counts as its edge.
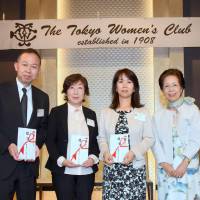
(108, 159)
(128, 158)
(88, 163)
(12, 148)
(69, 163)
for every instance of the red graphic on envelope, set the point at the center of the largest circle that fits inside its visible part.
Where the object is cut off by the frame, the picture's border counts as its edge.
(30, 139)
(83, 145)
(122, 143)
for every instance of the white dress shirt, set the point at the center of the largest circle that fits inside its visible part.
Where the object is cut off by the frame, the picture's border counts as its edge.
(29, 95)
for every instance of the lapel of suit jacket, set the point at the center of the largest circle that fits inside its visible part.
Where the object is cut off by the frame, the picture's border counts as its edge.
(64, 118)
(14, 97)
(87, 116)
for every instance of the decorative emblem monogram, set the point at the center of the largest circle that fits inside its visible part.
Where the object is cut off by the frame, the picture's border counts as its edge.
(24, 33)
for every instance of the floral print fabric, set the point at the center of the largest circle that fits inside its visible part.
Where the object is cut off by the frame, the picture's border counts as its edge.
(122, 182)
(185, 188)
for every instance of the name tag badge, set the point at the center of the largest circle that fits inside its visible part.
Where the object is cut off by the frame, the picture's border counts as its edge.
(40, 112)
(90, 122)
(140, 116)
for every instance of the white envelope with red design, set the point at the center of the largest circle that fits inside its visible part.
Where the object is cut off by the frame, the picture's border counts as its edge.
(78, 149)
(119, 146)
(26, 143)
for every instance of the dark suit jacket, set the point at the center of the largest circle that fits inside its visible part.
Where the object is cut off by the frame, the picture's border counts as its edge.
(57, 136)
(11, 119)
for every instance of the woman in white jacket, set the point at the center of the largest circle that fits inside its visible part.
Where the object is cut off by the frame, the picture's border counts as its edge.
(177, 132)
(125, 179)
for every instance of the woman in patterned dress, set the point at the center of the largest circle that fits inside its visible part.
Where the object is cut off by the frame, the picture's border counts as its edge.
(125, 180)
(177, 132)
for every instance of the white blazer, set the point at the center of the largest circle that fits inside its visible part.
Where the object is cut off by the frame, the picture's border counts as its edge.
(188, 127)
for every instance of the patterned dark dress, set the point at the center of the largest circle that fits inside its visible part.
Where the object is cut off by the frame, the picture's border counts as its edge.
(122, 182)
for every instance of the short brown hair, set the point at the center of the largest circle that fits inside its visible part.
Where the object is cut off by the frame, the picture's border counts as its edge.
(74, 78)
(135, 99)
(29, 50)
(172, 72)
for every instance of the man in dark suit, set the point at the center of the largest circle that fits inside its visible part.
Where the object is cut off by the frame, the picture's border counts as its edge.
(20, 175)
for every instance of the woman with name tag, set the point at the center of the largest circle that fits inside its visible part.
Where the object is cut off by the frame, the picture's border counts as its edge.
(177, 132)
(72, 144)
(125, 135)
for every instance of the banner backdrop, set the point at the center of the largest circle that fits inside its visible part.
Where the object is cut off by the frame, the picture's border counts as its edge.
(100, 33)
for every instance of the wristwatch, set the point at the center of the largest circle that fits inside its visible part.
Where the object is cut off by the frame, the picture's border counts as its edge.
(186, 159)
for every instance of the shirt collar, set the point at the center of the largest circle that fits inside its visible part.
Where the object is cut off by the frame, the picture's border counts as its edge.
(71, 108)
(20, 85)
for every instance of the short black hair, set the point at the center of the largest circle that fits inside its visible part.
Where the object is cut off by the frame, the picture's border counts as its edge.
(29, 50)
